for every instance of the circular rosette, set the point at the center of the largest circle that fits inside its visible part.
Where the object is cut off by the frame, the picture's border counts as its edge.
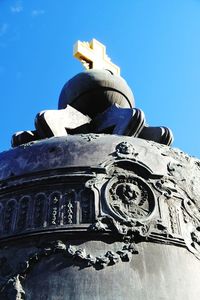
(130, 198)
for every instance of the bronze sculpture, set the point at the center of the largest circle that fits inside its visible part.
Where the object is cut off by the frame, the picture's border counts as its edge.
(105, 211)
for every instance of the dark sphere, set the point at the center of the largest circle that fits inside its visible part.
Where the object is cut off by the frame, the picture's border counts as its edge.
(93, 91)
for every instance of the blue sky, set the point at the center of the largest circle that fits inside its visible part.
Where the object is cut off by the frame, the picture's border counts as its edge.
(155, 42)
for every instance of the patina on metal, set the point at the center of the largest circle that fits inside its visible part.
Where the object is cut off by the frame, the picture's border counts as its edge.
(95, 205)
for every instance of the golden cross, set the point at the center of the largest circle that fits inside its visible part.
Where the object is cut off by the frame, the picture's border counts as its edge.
(93, 56)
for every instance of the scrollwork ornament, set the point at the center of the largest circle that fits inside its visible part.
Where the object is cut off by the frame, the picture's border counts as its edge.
(127, 230)
(193, 208)
(97, 181)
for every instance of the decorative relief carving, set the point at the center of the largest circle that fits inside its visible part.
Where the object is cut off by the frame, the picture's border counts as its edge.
(195, 236)
(14, 289)
(10, 215)
(126, 230)
(193, 208)
(11, 286)
(127, 198)
(175, 220)
(126, 150)
(146, 205)
(54, 208)
(38, 211)
(130, 197)
(23, 211)
(90, 136)
(69, 207)
(191, 227)
(87, 206)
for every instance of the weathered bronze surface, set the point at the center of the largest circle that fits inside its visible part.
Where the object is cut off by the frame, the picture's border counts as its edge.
(93, 203)
(98, 216)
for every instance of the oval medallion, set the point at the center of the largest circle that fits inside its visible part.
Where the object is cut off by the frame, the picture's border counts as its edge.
(130, 197)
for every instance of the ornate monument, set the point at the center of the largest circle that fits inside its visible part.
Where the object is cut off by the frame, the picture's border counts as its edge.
(94, 203)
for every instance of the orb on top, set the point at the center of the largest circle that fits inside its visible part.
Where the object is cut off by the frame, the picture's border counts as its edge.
(100, 86)
(91, 92)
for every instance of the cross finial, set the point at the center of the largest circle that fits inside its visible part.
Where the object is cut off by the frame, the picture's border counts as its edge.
(93, 56)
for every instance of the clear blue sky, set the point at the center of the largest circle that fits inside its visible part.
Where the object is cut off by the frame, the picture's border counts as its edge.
(155, 42)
